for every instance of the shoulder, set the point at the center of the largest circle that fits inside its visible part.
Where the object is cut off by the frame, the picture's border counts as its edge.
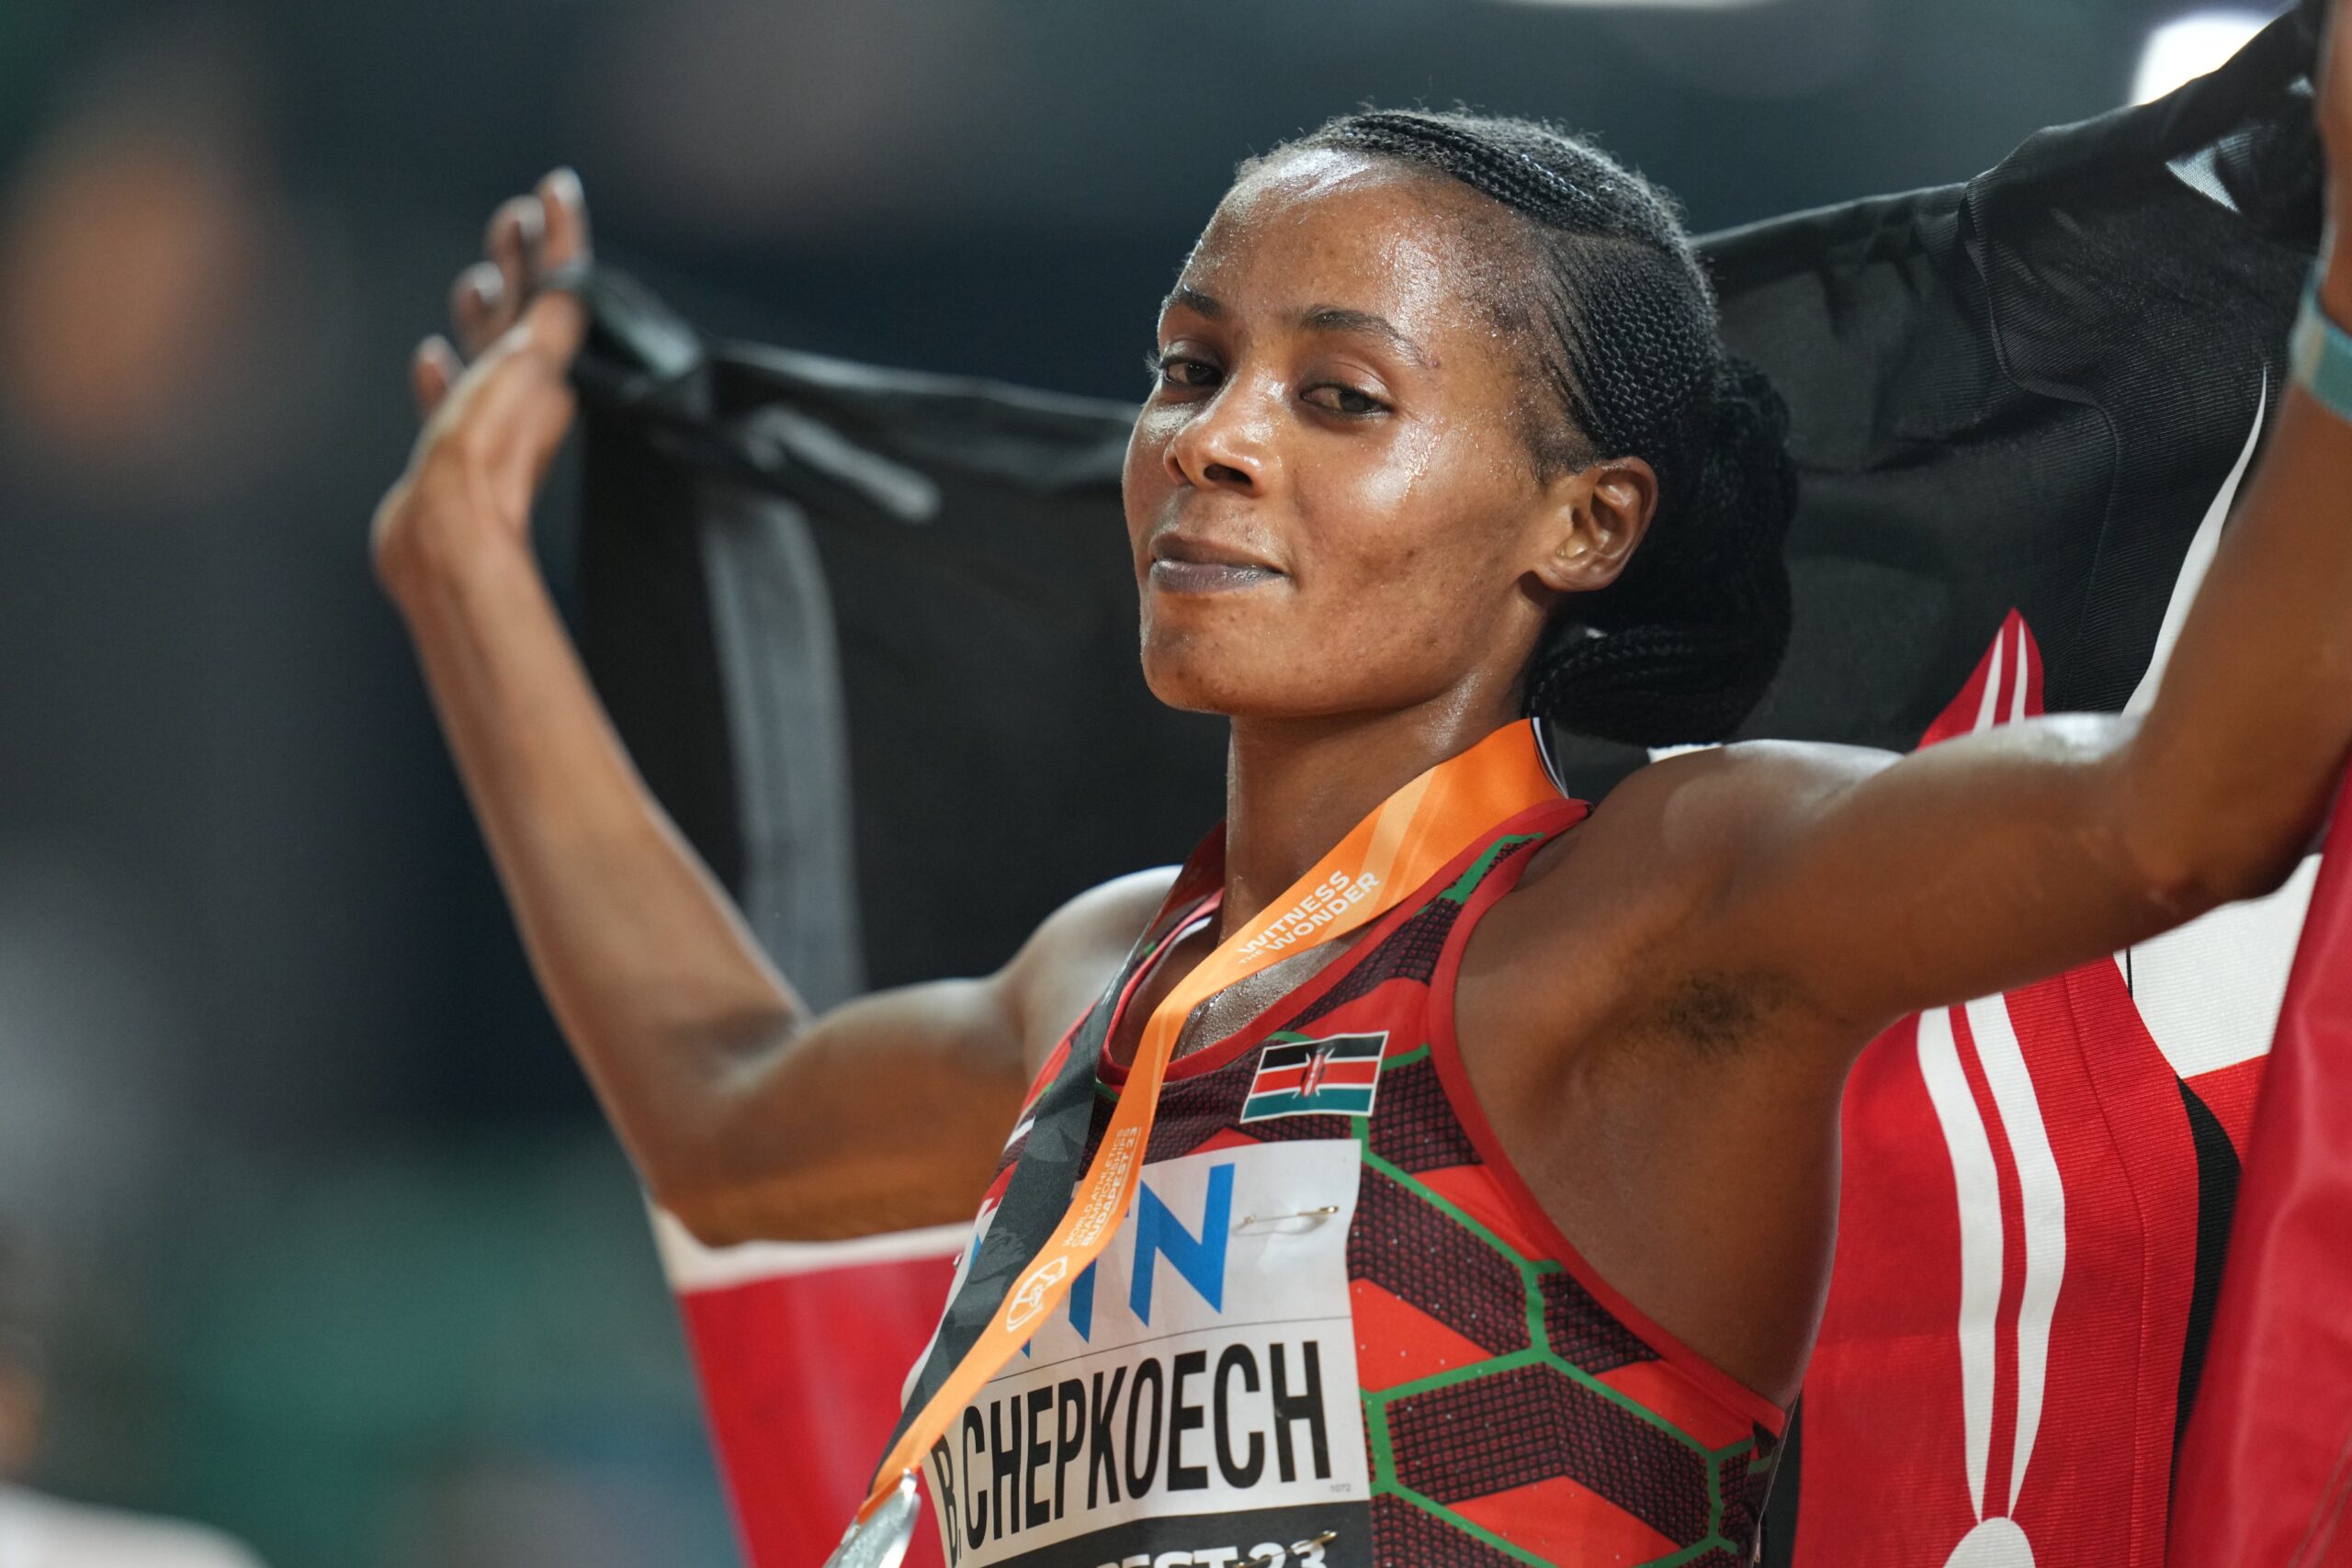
(1672, 833)
(1772, 775)
(1074, 953)
(1695, 812)
(1607, 936)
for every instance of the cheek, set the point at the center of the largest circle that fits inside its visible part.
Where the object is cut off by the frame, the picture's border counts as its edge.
(1143, 479)
(1420, 562)
(1413, 473)
(1425, 524)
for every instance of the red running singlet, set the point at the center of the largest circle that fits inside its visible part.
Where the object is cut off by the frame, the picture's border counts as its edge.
(1326, 1175)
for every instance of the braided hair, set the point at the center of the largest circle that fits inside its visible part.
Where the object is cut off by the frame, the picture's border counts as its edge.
(1619, 320)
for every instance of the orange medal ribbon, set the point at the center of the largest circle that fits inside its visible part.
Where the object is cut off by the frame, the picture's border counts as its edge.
(1408, 838)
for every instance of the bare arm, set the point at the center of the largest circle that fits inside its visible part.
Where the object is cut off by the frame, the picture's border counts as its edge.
(1866, 886)
(743, 1114)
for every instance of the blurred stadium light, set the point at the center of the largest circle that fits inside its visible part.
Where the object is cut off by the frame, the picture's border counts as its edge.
(2190, 46)
(1652, 4)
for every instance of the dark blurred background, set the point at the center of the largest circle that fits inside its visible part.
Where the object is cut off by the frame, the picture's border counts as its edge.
(319, 1228)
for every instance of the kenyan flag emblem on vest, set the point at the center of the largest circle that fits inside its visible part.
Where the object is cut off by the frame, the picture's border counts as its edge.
(1297, 1077)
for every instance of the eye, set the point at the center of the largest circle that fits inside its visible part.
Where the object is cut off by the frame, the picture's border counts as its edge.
(1346, 400)
(1170, 370)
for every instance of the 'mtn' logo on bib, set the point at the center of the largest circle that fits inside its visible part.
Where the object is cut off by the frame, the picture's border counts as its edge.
(1195, 1401)
(1298, 1076)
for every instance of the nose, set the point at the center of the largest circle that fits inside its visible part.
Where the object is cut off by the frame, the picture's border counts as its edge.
(1228, 444)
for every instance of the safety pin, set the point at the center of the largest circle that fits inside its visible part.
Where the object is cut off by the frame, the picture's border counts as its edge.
(1266, 1221)
(1326, 1539)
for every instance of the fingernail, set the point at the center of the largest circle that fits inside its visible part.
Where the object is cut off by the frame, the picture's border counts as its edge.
(564, 183)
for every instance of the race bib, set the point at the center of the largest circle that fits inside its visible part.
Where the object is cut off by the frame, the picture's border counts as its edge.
(1193, 1403)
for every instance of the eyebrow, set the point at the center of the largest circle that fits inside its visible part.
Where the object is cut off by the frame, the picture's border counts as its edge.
(1314, 318)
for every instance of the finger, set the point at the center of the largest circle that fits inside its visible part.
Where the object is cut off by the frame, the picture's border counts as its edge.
(506, 391)
(513, 235)
(474, 306)
(565, 210)
(433, 370)
(533, 355)
(555, 325)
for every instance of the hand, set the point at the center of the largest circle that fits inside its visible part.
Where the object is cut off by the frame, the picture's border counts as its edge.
(490, 427)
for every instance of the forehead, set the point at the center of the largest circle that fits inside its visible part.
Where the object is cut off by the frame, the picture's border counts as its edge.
(1351, 229)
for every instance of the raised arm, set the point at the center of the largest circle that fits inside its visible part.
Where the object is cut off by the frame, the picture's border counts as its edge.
(1865, 886)
(745, 1115)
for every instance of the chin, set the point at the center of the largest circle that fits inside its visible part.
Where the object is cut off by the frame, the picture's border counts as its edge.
(1201, 674)
(1195, 684)
(1195, 675)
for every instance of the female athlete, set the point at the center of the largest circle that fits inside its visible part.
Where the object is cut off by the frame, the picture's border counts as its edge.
(1487, 1211)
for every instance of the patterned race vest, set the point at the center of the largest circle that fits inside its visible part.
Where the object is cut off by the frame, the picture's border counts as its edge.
(1320, 1183)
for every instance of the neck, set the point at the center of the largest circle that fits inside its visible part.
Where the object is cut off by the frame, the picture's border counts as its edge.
(1294, 787)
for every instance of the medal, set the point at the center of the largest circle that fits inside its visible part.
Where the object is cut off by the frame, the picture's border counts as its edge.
(880, 1539)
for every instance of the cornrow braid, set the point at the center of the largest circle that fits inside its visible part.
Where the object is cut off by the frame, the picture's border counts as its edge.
(1619, 319)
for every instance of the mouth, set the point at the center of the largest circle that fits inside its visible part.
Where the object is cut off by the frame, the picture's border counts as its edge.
(1183, 563)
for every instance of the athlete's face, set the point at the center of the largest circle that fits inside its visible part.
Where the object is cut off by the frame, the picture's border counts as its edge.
(1331, 502)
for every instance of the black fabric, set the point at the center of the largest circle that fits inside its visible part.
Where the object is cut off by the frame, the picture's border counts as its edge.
(1002, 751)
(1777, 1539)
(2023, 391)
(2020, 391)
(2217, 1201)
(645, 629)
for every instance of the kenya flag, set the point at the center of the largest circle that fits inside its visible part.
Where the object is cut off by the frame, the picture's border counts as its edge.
(1299, 1077)
(802, 1348)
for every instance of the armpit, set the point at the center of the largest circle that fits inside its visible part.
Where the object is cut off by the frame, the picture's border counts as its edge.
(1720, 1011)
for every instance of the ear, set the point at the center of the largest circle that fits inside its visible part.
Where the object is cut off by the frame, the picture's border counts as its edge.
(1596, 518)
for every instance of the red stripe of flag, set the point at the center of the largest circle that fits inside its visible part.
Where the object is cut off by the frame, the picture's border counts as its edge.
(2264, 1476)
(1360, 1074)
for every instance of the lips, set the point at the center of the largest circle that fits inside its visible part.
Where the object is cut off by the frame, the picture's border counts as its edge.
(1185, 563)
